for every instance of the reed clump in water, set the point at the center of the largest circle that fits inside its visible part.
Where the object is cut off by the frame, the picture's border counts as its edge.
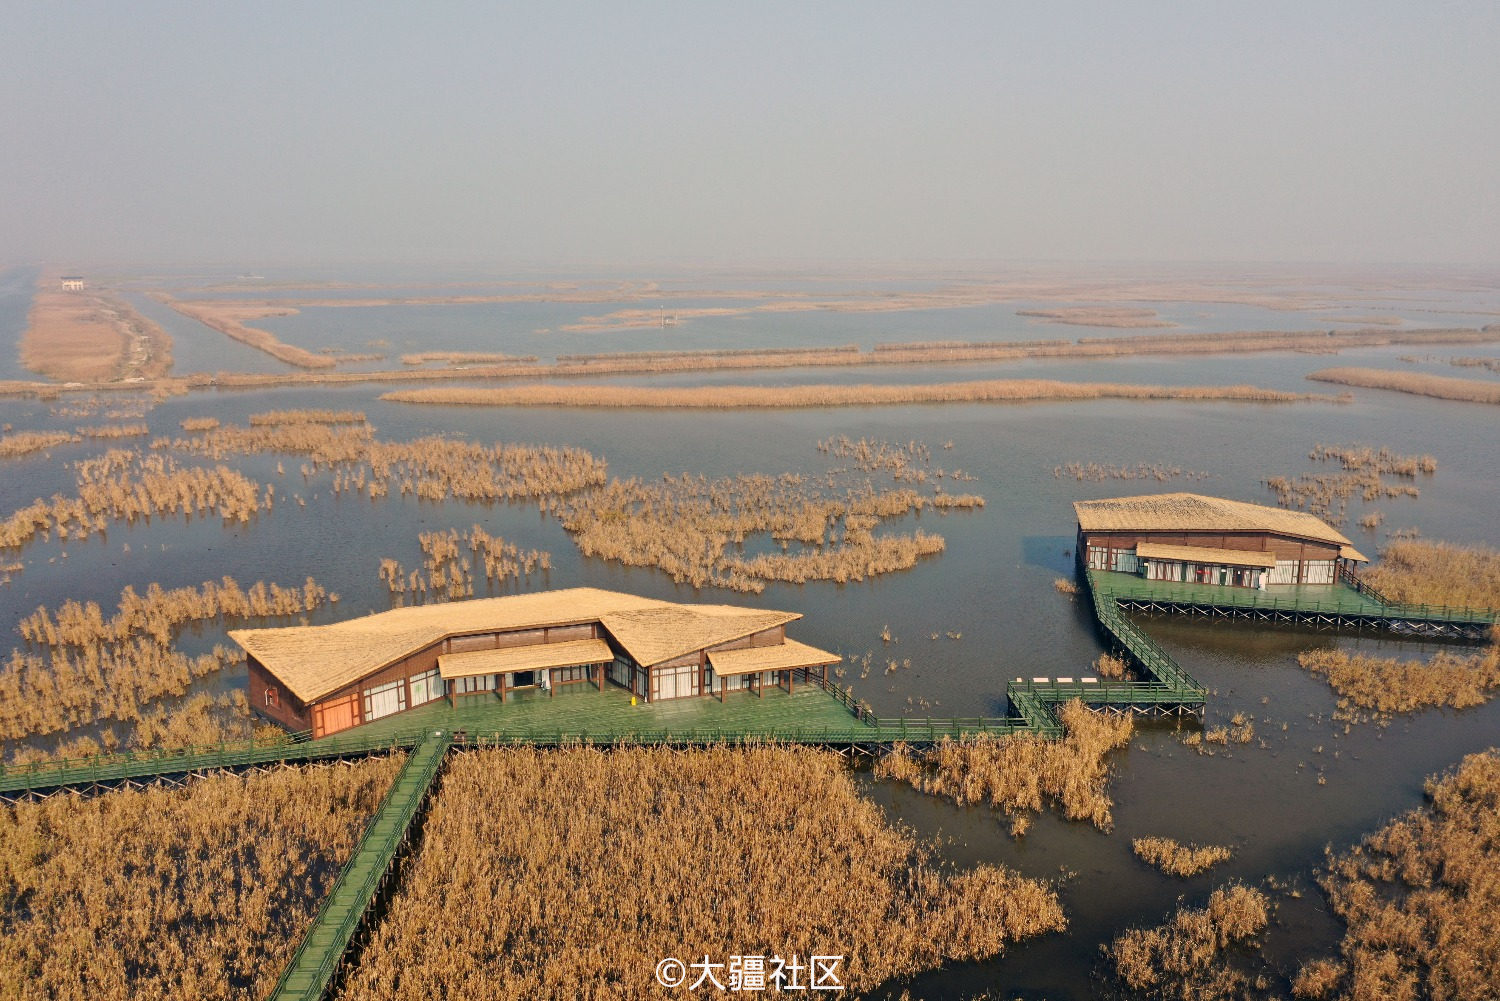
(686, 526)
(1066, 586)
(1020, 772)
(1177, 859)
(448, 575)
(1096, 472)
(1418, 898)
(229, 318)
(169, 894)
(1362, 474)
(194, 424)
(275, 417)
(708, 874)
(82, 667)
(124, 486)
(429, 468)
(835, 395)
(1422, 572)
(1114, 668)
(1184, 959)
(464, 358)
(21, 443)
(107, 431)
(1442, 387)
(1391, 685)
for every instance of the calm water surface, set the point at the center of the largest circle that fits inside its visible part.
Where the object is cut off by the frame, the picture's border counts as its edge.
(993, 584)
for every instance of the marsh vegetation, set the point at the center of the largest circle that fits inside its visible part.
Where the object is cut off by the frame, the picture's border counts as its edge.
(1185, 958)
(1020, 773)
(708, 834)
(1177, 859)
(1442, 387)
(179, 895)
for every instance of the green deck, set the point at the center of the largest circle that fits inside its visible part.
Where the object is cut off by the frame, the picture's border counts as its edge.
(1339, 598)
(322, 949)
(582, 712)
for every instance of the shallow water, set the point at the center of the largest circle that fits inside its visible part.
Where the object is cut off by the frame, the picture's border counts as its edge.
(993, 584)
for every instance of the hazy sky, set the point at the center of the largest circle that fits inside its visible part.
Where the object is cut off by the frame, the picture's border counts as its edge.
(644, 133)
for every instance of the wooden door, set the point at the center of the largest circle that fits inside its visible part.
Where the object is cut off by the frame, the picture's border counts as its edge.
(331, 717)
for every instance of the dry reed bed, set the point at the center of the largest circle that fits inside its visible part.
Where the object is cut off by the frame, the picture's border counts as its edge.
(1363, 471)
(1177, 859)
(687, 525)
(1097, 472)
(123, 486)
(83, 668)
(1419, 899)
(755, 397)
(229, 318)
(1020, 772)
(1420, 572)
(177, 895)
(430, 468)
(13, 446)
(274, 417)
(1442, 387)
(1391, 685)
(464, 358)
(920, 353)
(1185, 959)
(111, 431)
(195, 424)
(571, 873)
(1099, 316)
(447, 575)
(92, 336)
(1493, 364)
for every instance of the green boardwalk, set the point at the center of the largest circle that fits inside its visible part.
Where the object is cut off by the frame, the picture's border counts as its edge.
(131, 768)
(322, 951)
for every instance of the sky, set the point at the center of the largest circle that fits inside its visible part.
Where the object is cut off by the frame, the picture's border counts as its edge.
(721, 134)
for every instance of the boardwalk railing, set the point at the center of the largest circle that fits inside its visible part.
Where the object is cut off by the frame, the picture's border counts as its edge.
(370, 867)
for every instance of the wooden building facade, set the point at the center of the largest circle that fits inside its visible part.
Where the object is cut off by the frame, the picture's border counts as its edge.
(329, 678)
(1192, 538)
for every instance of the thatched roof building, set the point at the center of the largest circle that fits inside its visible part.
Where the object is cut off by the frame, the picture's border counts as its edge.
(327, 678)
(1210, 540)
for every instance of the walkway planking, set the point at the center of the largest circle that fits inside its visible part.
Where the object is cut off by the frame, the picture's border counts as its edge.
(323, 950)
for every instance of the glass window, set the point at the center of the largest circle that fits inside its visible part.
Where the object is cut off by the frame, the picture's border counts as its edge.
(383, 700)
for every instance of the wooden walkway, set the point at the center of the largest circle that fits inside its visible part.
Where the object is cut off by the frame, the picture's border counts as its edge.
(1348, 604)
(320, 957)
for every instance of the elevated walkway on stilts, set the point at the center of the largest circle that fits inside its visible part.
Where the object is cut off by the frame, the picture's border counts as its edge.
(320, 957)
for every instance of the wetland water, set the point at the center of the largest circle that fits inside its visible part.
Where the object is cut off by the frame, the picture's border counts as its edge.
(992, 585)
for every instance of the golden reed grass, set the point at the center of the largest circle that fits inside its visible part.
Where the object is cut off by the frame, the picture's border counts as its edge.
(180, 895)
(1391, 685)
(123, 486)
(229, 318)
(1097, 472)
(92, 336)
(1020, 772)
(1363, 471)
(1184, 959)
(1420, 572)
(21, 443)
(430, 468)
(273, 417)
(447, 575)
(1418, 899)
(1099, 316)
(464, 358)
(1177, 859)
(687, 525)
(1442, 387)
(828, 395)
(82, 667)
(561, 874)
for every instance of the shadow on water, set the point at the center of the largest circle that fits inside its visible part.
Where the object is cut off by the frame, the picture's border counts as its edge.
(1051, 552)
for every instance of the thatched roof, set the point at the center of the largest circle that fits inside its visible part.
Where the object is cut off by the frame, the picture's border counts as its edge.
(537, 657)
(1194, 512)
(782, 657)
(314, 661)
(1205, 554)
(654, 635)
